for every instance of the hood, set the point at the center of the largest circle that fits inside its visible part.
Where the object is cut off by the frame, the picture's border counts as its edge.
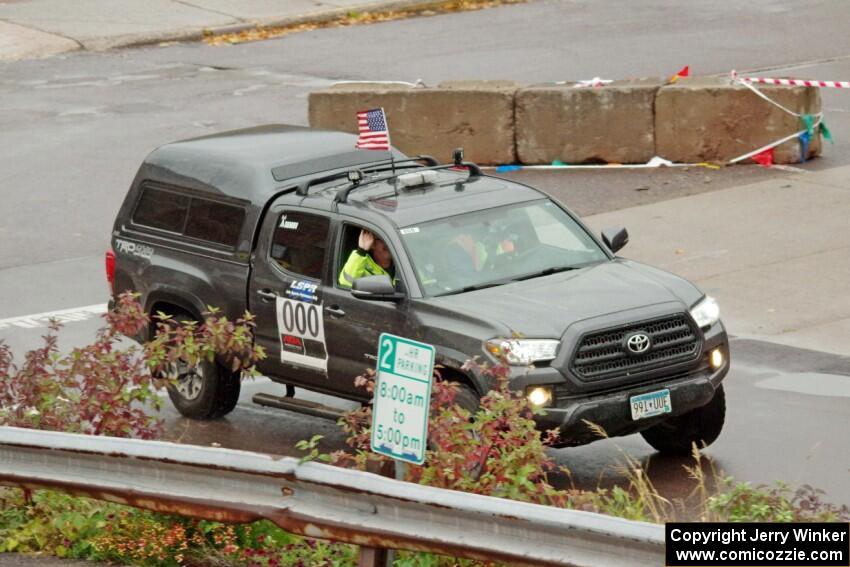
(546, 306)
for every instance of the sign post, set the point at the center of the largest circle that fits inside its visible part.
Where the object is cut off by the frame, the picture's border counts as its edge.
(402, 398)
(400, 413)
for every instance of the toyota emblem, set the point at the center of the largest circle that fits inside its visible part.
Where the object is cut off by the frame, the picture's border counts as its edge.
(638, 343)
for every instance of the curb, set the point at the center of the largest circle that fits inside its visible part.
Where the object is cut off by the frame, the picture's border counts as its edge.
(197, 34)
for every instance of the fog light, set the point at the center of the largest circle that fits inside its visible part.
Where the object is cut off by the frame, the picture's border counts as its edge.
(716, 358)
(540, 396)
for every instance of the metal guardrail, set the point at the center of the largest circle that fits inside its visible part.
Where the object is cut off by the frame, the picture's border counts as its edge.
(321, 501)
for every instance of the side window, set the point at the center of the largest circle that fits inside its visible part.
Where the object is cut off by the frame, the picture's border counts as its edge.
(194, 217)
(380, 260)
(347, 245)
(160, 209)
(300, 242)
(215, 222)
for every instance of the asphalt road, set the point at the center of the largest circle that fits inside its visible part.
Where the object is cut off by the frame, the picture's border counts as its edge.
(74, 129)
(787, 416)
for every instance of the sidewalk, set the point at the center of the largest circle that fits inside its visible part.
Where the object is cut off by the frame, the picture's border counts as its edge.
(41, 28)
(773, 253)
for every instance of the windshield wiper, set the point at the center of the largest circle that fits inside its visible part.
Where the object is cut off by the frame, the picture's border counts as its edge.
(473, 288)
(546, 272)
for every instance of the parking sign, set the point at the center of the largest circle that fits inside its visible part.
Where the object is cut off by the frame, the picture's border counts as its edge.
(402, 398)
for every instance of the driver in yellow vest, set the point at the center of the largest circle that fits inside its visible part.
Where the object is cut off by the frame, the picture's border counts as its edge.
(371, 258)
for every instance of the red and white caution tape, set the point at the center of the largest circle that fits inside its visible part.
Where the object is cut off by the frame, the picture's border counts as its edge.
(742, 82)
(419, 83)
(794, 82)
(655, 162)
(745, 81)
(594, 82)
(772, 144)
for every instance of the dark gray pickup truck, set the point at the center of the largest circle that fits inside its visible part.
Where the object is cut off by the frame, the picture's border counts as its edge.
(264, 219)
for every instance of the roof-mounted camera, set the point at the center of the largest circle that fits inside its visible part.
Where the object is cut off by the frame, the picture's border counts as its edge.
(355, 176)
(457, 157)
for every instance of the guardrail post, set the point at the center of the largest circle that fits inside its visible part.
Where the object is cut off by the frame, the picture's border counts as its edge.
(376, 556)
(373, 557)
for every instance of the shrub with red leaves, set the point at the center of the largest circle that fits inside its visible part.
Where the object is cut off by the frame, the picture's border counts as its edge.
(109, 387)
(498, 451)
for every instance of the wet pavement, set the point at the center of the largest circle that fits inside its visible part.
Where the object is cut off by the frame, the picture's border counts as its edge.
(787, 417)
(74, 130)
(788, 411)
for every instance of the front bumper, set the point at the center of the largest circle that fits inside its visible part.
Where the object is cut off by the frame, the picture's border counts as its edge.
(611, 409)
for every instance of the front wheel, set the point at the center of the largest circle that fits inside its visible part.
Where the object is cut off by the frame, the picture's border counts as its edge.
(467, 399)
(702, 426)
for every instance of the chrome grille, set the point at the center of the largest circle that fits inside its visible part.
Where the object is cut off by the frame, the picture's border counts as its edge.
(603, 354)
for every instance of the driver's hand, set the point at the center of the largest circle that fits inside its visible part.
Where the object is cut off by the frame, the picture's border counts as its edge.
(366, 240)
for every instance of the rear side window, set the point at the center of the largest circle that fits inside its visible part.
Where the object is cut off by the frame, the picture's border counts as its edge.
(195, 217)
(300, 242)
(162, 209)
(214, 222)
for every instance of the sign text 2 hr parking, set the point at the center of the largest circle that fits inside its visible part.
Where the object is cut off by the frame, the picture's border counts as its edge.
(402, 398)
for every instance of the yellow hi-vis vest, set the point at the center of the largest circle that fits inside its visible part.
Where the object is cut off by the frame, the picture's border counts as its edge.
(360, 264)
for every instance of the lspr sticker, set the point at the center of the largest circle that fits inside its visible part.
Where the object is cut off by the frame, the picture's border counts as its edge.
(303, 291)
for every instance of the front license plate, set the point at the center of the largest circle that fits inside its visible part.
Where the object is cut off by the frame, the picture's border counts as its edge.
(651, 404)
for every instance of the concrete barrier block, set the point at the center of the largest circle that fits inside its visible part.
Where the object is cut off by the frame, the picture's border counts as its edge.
(608, 124)
(475, 115)
(709, 119)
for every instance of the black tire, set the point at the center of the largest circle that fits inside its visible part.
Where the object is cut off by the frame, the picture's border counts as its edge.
(467, 398)
(208, 390)
(701, 426)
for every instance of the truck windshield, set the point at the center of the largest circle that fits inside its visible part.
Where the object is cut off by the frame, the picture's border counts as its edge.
(496, 246)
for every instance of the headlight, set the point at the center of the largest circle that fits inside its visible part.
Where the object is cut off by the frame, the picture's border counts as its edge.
(522, 352)
(706, 313)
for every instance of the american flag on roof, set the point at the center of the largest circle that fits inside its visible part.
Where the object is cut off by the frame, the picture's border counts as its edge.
(374, 134)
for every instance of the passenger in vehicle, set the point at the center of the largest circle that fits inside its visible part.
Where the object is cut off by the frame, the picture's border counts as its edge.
(372, 257)
(467, 253)
(476, 252)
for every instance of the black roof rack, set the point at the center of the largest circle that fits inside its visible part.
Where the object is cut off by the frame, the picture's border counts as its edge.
(342, 195)
(474, 172)
(302, 190)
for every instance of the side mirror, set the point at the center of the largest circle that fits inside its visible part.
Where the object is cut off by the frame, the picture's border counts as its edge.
(375, 288)
(615, 237)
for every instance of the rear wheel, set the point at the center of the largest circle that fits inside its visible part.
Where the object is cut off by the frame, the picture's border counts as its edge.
(701, 426)
(207, 390)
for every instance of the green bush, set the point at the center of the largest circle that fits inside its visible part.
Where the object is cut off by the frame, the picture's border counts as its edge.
(742, 502)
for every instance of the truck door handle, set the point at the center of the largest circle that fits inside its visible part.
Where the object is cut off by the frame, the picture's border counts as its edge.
(335, 311)
(267, 294)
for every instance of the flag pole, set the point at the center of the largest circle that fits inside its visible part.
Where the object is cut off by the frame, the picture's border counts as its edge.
(389, 141)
